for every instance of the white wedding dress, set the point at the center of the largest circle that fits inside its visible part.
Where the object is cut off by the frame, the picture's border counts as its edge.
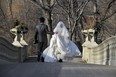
(60, 45)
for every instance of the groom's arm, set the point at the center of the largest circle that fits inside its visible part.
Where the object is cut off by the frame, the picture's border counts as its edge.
(48, 32)
(36, 36)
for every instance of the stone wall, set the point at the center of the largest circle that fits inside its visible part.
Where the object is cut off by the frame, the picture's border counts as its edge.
(9, 53)
(104, 53)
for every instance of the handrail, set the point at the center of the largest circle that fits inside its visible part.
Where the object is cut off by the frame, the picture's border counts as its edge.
(104, 53)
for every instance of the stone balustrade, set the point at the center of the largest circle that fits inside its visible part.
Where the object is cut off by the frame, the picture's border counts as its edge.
(104, 53)
(10, 53)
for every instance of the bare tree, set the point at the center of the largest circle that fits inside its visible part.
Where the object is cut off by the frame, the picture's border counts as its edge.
(74, 10)
(47, 7)
(102, 17)
(5, 19)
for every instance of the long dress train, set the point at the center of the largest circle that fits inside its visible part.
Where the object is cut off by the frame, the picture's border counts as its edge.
(60, 45)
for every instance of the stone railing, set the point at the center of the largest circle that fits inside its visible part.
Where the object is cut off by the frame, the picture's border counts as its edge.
(104, 53)
(10, 53)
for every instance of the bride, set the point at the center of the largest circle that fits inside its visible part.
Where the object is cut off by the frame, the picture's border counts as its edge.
(60, 45)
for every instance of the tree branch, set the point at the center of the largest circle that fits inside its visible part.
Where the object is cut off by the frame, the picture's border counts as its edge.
(81, 11)
(4, 16)
(109, 16)
(109, 6)
(37, 4)
(62, 7)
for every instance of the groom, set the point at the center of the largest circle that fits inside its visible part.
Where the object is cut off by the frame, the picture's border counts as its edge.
(41, 37)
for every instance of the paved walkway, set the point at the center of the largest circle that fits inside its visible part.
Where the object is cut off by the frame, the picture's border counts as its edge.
(32, 68)
(56, 70)
(68, 60)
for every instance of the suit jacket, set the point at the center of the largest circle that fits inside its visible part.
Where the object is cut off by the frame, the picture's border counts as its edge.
(41, 32)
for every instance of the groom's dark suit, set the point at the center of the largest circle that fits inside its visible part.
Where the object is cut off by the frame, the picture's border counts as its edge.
(41, 37)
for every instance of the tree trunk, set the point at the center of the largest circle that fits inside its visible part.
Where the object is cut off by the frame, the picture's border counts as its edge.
(48, 18)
